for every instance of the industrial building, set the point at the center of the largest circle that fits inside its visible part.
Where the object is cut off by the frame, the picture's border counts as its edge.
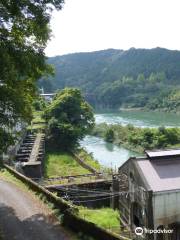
(151, 199)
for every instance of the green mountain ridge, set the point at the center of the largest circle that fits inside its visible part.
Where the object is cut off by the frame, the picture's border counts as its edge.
(116, 78)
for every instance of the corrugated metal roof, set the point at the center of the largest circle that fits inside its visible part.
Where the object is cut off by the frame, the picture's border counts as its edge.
(161, 175)
(165, 153)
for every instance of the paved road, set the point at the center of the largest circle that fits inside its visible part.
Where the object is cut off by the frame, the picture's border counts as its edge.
(24, 217)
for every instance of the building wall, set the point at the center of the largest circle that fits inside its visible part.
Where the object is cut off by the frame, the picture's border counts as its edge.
(136, 206)
(166, 207)
(143, 207)
(140, 199)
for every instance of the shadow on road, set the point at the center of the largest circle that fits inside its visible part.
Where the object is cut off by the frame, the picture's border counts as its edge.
(37, 227)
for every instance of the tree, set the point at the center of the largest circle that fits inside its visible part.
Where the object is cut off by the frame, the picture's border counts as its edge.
(109, 135)
(39, 104)
(24, 32)
(69, 118)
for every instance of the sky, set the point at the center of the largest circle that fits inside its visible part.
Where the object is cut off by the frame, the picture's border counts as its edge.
(91, 25)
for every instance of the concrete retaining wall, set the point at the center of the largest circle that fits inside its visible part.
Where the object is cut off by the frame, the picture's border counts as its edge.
(84, 165)
(70, 218)
(58, 202)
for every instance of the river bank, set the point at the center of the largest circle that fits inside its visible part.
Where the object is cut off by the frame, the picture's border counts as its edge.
(114, 154)
(138, 139)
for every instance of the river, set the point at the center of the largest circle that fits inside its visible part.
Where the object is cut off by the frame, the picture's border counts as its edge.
(139, 118)
(112, 156)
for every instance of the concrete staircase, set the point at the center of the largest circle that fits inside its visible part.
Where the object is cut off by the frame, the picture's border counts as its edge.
(31, 155)
(25, 149)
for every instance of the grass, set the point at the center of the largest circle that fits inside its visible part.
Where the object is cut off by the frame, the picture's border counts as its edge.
(38, 122)
(7, 176)
(38, 126)
(62, 164)
(38, 117)
(88, 159)
(58, 163)
(105, 217)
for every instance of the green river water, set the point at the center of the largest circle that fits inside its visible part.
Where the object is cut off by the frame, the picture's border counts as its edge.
(113, 156)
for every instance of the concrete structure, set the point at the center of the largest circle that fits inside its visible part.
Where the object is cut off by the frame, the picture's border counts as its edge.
(152, 184)
(30, 156)
(47, 96)
(92, 194)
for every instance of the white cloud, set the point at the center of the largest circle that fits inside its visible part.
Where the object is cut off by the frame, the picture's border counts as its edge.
(87, 25)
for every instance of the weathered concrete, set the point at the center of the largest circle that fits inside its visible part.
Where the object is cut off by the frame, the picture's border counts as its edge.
(31, 154)
(35, 150)
(96, 183)
(84, 164)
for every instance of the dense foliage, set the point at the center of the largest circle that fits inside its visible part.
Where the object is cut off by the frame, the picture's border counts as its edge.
(69, 118)
(109, 135)
(24, 32)
(140, 139)
(39, 104)
(116, 78)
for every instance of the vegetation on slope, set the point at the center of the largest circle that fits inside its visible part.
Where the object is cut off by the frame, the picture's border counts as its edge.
(62, 164)
(115, 78)
(139, 139)
(59, 163)
(5, 175)
(88, 159)
(105, 217)
(38, 123)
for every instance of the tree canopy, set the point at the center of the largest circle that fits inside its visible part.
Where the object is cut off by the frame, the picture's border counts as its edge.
(138, 139)
(24, 32)
(112, 78)
(69, 117)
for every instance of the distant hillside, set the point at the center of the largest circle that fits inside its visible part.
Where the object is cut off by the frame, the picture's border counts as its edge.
(116, 78)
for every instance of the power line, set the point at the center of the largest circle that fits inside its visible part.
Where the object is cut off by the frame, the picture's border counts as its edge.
(81, 190)
(89, 196)
(71, 190)
(91, 200)
(97, 199)
(98, 195)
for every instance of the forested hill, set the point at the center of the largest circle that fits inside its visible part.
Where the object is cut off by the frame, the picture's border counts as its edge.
(116, 78)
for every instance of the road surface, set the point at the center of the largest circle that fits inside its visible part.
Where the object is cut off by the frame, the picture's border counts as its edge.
(24, 217)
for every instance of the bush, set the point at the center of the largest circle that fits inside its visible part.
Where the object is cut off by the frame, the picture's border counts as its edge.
(109, 135)
(139, 139)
